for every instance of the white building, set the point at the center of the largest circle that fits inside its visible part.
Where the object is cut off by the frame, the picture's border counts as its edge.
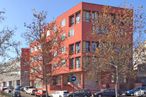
(10, 75)
(139, 56)
(7, 80)
(140, 63)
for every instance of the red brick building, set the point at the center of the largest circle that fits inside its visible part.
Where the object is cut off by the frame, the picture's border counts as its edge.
(25, 66)
(79, 45)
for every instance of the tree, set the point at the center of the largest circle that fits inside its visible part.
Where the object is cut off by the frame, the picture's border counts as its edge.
(9, 48)
(139, 29)
(47, 41)
(115, 51)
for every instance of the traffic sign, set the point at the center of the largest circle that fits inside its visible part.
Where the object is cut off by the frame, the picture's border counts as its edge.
(73, 78)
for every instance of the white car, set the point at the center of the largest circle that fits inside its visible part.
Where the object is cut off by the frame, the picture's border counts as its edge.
(62, 93)
(31, 91)
(140, 93)
(25, 88)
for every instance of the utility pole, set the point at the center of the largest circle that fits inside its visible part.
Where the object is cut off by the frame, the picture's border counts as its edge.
(73, 89)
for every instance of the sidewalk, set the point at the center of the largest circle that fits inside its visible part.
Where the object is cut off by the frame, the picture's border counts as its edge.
(4, 95)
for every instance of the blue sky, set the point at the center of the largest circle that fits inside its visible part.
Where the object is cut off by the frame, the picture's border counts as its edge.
(20, 11)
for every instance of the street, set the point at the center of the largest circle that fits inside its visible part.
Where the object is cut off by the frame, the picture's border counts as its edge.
(23, 94)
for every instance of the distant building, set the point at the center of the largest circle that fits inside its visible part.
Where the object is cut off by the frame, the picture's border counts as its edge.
(25, 57)
(140, 63)
(11, 76)
(9, 80)
(139, 55)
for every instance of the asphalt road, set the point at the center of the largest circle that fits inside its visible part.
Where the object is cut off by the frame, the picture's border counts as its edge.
(23, 94)
(26, 95)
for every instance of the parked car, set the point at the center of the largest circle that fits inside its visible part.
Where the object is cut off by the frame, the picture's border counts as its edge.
(31, 91)
(40, 93)
(140, 92)
(62, 93)
(80, 93)
(106, 92)
(4, 88)
(16, 92)
(134, 91)
(8, 89)
(25, 88)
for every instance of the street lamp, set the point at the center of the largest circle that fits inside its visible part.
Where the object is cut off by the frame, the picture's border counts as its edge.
(116, 85)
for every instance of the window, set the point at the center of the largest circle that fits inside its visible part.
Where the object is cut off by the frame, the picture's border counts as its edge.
(63, 49)
(78, 47)
(48, 33)
(101, 30)
(71, 32)
(94, 46)
(10, 83)
(71, 49)
(63, 36)
(71, 63)
(78, 17)
(86, 16)
(78, 62)
(87, 46)
(94, 15)
(97, 29)
(4, 84)
(18, 82)
(71, 20)
(63, 22)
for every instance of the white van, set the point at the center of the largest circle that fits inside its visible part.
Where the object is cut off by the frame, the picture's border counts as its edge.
(62, 93)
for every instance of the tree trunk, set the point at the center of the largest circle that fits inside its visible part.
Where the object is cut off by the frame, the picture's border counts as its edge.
(46, 85)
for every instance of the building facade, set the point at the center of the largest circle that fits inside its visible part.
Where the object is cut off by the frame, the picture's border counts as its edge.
(25, 64)
(10, 80)
(79, 44)
(11, 76)
(140, 63)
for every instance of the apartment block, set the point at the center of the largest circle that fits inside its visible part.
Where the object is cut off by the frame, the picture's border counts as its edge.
(25, 66)
(80, 44)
